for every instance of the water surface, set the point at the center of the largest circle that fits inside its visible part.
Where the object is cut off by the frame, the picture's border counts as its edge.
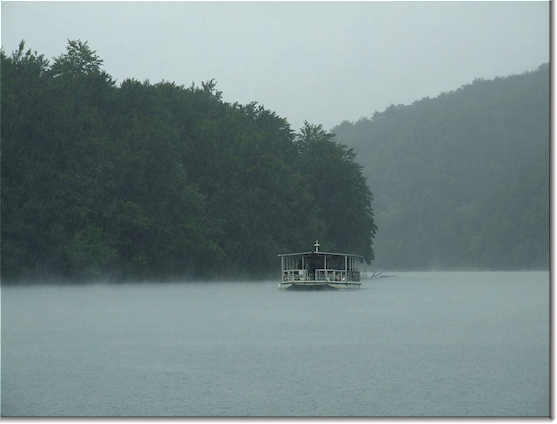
(440, 343)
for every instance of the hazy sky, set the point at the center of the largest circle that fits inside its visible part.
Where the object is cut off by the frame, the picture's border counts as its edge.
(321, 62)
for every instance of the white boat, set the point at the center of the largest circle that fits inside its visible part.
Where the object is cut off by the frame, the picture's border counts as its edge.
(316, 270)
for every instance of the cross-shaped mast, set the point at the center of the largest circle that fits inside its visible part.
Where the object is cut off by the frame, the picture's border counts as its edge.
(316, 245)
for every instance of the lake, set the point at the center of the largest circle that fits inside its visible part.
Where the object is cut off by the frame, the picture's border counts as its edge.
(415, 344)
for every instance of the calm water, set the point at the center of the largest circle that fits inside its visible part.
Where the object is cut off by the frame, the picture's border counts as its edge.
(470, 343)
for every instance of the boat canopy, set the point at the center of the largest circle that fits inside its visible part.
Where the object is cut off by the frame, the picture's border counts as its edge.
(317, 252)
(321, 253)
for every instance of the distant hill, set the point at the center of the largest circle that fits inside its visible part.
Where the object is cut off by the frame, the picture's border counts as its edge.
(461, 180)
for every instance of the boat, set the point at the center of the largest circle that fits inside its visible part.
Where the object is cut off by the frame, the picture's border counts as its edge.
(319, 270)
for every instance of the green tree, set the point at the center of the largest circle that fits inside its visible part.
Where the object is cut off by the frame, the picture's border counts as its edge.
(342, 198)
(461, 180)
(159, 181)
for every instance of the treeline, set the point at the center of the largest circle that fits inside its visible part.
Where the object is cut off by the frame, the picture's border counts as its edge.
(142, 180)
(461, 180)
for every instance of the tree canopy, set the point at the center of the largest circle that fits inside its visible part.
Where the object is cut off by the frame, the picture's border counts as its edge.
(461, 180)
(142, 180)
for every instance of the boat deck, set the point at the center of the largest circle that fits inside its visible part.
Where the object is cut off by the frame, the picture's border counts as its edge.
(318, 284)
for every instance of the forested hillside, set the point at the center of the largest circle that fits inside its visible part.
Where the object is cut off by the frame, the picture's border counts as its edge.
(140, 180)
(461, 180)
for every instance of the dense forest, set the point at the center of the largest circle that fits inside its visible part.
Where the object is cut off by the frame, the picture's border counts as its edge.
(140, 181)
(461, 180)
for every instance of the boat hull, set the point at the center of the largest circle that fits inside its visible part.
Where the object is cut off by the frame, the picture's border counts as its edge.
(319, 285)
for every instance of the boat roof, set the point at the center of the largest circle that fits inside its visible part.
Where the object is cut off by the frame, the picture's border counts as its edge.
(320, 253)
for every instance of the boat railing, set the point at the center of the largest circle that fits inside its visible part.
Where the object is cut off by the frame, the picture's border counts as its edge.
(320, 275)
(294, 275)
(330, 274)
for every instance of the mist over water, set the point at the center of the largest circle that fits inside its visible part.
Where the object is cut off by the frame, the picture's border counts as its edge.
(420, 343)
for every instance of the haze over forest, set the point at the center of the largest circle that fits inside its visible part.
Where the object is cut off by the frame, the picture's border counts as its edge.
(130, 179)
(461, 180)
(147, 180)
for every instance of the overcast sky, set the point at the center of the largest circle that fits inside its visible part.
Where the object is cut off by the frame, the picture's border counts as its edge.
(321, 62)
